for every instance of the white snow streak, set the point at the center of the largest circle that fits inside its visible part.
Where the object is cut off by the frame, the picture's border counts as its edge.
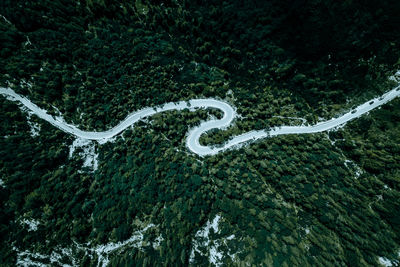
(103, 252)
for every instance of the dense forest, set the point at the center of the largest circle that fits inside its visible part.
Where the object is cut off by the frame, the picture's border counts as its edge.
(328, 199)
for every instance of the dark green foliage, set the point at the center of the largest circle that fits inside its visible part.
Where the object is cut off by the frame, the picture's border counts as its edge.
(289, 201)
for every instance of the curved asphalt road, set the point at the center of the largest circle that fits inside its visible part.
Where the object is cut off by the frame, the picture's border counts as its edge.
(192, 141)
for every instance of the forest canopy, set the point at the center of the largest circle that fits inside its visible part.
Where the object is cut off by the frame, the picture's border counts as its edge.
(299, 200)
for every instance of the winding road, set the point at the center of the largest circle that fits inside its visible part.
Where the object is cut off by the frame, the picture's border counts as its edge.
(192, 141)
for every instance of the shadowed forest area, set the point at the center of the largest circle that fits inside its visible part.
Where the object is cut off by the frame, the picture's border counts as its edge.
(328, 199)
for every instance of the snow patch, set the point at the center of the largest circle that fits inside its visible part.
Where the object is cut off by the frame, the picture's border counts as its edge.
(34, 127)
(88, 152)
(27, 258)
(351, 165)
(157, 241)
(31, 223)
(385, 262)
(395, 77)
(212, 247)
(103, 251)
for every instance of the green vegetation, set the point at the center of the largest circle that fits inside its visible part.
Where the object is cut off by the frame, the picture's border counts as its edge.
(316, 200)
